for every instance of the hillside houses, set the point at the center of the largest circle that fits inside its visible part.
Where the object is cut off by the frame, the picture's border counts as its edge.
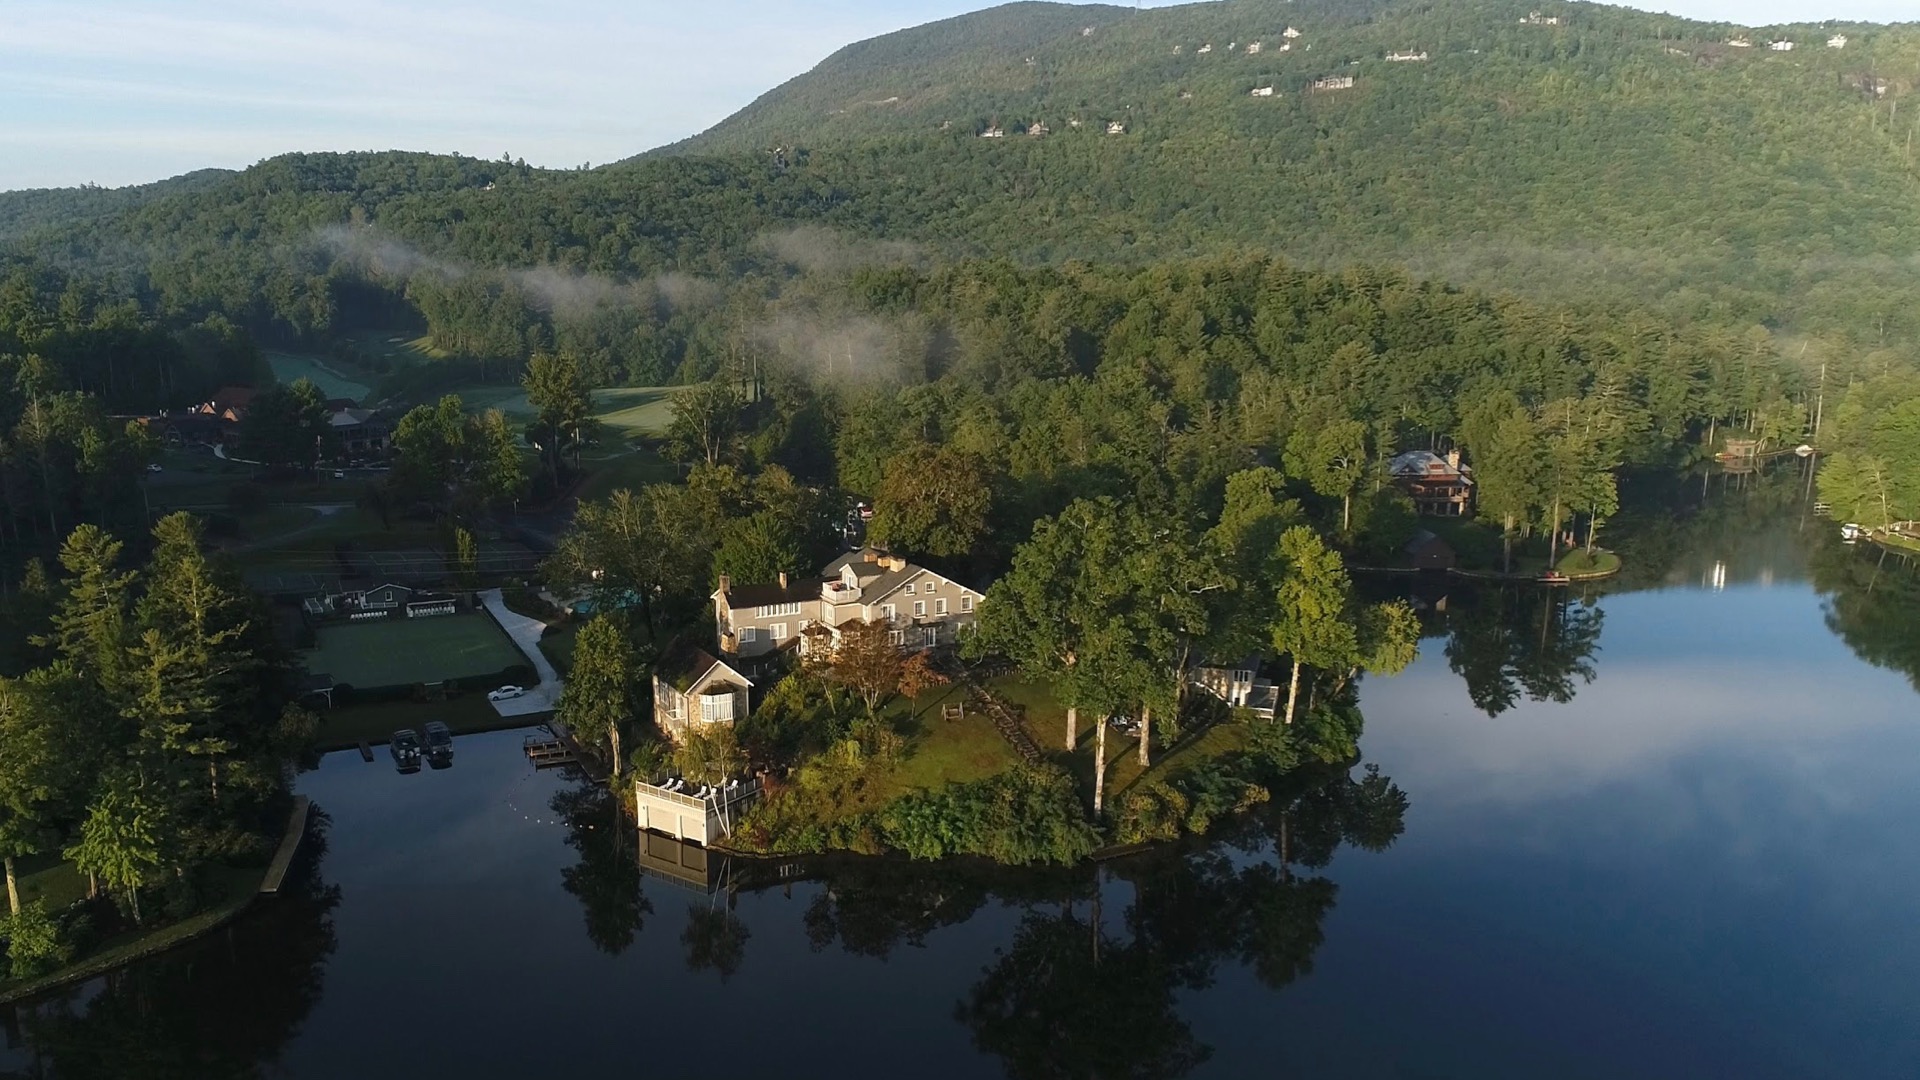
(1405, 57)
(1262, 91)
(1780, 46)
(1333, 82)
(1837, 41)
(1115, 127)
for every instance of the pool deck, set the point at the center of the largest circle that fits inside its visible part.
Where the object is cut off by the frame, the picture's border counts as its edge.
(525, 633)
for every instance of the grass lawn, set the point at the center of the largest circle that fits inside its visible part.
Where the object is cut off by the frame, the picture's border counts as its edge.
(942, 751)
(291, 367)
(1578, 562)
(398, 651)
(631, 469)
(467, 714)
(401, 348)
(1897, 542)
(269, 524)
(624, 412)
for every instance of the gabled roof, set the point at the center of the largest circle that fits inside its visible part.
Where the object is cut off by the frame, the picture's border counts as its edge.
(753, 596)
(1415, 464)
(685, 664)
(878, 582)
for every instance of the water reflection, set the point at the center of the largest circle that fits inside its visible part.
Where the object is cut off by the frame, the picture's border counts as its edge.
(1509, 642)
(222, 1008)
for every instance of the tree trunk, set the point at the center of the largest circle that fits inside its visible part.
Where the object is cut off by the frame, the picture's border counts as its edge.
(1073, 727)
(1293, 690)
(1146, 735)
(1099, 764)
(1553, 541)
(1593, 523)
(613, 739)
(13, 889)
(133, 897)
(1506, 542)
(1346, 513)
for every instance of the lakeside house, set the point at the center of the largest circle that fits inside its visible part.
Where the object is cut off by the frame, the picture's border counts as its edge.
(1262, 91)
(1115, 127)
(1439, 486)
(693, 689)
(229, 403)
(922, 608)
(1334, 82)
(1240, 685)
(1780, 46)
(1405, 57)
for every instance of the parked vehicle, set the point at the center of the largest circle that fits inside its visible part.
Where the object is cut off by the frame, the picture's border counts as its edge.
(405, 747)
(153, 467)
(506, 693)
(439, 741)
(1852, 533)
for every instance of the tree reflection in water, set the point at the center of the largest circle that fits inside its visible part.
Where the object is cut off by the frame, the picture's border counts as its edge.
(1509, 641)
(223, 1007)
(606, 879)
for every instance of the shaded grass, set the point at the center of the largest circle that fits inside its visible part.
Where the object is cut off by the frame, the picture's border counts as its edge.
(233, 887)
(465, 714)
(1579, 562)
(291, 367)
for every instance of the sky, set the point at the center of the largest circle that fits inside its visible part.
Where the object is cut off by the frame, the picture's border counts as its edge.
(126, 91)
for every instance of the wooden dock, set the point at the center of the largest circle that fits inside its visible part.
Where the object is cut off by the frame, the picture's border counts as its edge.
(546, 752)
(289, 845)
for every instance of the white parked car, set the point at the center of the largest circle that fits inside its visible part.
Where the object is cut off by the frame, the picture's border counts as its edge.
(506, 693)
(153, 466)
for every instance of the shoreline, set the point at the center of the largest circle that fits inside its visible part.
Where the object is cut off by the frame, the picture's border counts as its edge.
(173, 935)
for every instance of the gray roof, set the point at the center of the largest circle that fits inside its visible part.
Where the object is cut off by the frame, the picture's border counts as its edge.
(753, 596)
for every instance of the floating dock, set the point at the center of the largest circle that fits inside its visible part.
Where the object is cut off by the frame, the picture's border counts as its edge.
(289, 845)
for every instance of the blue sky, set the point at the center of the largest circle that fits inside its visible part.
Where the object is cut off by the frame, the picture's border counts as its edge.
(125, 91)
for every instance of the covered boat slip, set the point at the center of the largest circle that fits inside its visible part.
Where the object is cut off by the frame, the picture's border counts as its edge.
(686, 815)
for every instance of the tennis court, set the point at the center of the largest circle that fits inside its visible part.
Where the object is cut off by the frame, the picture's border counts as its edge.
(398, 651)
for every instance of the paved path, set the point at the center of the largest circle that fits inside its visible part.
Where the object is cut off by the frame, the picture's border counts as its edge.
(525, 633)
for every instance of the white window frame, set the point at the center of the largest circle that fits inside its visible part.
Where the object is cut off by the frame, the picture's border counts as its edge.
(966, 603)
(919, 609)
(888, 611)
(931, 586)
(940, 606)
(909, 589)
(748, 635)
(933, 635)
(897, 637)
(778, 632)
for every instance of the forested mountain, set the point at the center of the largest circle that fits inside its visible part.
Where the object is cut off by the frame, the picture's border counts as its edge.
(34, 208)
(1592, 153)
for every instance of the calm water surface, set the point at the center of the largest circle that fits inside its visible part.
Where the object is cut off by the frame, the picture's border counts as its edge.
(1702, 862)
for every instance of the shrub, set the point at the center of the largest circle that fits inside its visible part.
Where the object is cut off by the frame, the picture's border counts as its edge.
(35, 943)
(1027, 815)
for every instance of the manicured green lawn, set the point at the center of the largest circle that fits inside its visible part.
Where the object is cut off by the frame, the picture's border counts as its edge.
(400, 348)
(291, 367)
(631, 469)
(398, 651)
(624, 412)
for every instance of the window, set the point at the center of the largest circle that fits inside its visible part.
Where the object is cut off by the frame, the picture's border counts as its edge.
(940, 606)
(931, 585)
(966, 602)
(919, 609)
(897, 637)
(716, 708)
(933, 634)
(748, 635)
(909, 589)
(676, 705)
(772, 611)
(779, 632)
(888, 612)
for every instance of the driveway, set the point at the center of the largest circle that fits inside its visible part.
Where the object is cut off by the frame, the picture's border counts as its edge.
(525, 633)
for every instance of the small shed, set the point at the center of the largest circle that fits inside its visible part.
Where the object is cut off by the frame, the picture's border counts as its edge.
(1429, 552)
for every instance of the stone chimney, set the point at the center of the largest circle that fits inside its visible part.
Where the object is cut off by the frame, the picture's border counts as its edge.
(724, 582)
(783, 579)
(892, 562)
(1453, 460)
(869, 555)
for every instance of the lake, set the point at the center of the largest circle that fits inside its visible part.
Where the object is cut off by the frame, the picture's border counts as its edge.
(1664, 833)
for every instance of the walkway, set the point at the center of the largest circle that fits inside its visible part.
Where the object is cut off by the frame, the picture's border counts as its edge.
(525, 633)
(289, 845)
